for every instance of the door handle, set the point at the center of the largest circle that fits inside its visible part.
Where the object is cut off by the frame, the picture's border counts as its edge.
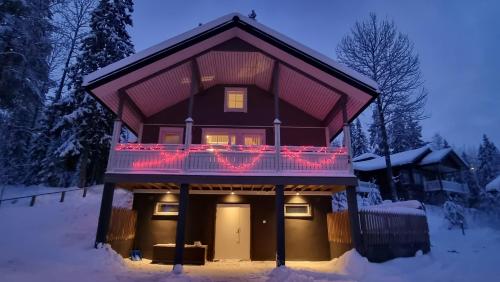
(238, 232)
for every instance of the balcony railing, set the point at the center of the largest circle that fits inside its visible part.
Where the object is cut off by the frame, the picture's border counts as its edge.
(450, 186)
(225, 159)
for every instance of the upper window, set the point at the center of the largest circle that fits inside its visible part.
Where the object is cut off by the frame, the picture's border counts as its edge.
(297, 210)
(170, 135)
(164, 208)
(235, 100)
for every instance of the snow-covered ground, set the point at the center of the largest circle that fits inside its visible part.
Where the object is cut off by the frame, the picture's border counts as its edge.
(53, 241)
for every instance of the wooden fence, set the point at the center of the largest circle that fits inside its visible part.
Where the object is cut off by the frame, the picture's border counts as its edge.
(122, 225)
(384, 235)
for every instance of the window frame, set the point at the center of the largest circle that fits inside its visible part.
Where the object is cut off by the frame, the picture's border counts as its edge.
(298, 215)
(239, 133)
(156, 212)
(226, 99)
(169, 130)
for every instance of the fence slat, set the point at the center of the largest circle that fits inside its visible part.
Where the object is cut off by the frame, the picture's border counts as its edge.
(122, 225)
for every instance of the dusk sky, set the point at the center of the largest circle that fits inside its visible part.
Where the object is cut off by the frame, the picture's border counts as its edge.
(458, 43)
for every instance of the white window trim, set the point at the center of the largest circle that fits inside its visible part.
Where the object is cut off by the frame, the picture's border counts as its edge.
(239, 132)
(306, 214)
(166, 130)
(156, 212)
(245, 99)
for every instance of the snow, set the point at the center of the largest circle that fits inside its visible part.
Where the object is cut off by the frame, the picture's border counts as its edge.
(135, 58)
(398, 159)
(435, 156)
(404, 207)
(494, 185)
(53, 241)
(365, 156)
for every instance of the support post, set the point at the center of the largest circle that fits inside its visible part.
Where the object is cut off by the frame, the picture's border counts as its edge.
(117, 128)
(104, 214)
(352, 209)
(139, 134)
(189, 133)
(280, 224)
(181, 227)
(347, 137)
(277, 143)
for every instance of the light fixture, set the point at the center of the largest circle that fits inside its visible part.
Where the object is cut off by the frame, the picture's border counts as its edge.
(168, 192)
(297, 193)
(232, 193)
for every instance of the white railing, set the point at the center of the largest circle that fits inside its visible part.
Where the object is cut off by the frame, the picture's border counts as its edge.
(222, 159)
(450, 186)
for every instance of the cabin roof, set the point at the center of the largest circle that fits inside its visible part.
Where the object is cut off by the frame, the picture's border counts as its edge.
(365, 157)
(494, 185)
(398, 159)
(160, 76)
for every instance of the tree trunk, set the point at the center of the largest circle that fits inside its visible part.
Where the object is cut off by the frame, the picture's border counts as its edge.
(387, 155)
(83, 169)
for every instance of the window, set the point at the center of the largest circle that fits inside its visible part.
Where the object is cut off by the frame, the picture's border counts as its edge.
(170, 135)
(163, 208)
(233, 136)
(297, 210)
(235, 100)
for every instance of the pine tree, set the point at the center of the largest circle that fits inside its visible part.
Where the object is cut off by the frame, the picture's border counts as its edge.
(86, 126)
(471, 181)
(24, 79)
(488, 155)
(359, 142)
(437, 142)
(405, 132)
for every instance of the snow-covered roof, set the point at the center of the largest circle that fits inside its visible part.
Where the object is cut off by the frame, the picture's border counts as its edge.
(139, 56)
(364, 157)
(494, 185)
(398, 159)
(436, 156)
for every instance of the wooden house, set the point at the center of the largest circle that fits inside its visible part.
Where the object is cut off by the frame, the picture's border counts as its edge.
(234, 122)
(422, 174)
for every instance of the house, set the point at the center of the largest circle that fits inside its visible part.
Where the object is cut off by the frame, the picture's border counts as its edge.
(421, 174)
(234, 122)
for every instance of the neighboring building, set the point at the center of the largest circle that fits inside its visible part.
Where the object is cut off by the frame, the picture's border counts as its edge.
(234, 122)
(421, 174)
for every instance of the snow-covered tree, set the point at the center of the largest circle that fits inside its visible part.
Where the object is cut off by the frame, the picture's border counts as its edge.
(376, 140)
(488, 156)
(339, 201)
(471, 181)
(85, 126)
(438, 142)
(454, 213)
(405, 132)
(376, 49)
(24, 81)
(359, 142)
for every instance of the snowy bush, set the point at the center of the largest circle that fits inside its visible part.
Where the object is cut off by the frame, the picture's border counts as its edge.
(454, 213)
(339, 201)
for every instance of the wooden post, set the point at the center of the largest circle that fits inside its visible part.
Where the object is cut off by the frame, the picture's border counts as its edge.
(277, 143)
(352, 209)
(63, 194)
(347, 136)
(117, 128)
(141, 129)
(104, 214)
(32, 202)
(84, 192)
(181, 227)
(280, 224)
(189, 133)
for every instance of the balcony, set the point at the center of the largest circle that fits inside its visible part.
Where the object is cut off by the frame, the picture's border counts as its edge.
(450, 186)
(200, 159)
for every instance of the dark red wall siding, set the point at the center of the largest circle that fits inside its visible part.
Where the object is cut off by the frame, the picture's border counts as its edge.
(208, 111)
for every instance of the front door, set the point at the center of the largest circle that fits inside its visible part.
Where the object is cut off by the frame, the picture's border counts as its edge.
(232, 232)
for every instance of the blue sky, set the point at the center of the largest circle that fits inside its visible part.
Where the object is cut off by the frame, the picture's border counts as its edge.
(458, 43)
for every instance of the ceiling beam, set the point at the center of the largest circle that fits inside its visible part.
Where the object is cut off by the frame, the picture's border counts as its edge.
(123, 96)
(341, 103)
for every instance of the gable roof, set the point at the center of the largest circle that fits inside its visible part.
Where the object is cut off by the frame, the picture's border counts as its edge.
(160, 76)
(398, 159)
(437, 156)
(494, 185)
(364, 157)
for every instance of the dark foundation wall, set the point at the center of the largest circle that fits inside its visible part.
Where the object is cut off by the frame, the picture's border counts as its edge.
(208, 110)
(306, 239)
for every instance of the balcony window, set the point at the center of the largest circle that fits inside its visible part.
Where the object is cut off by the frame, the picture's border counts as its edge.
(233, 136)
(235, 100)
(170, 135)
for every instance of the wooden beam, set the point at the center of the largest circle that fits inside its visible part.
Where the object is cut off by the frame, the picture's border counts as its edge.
(341, 103)
(196, 85)
(122, 93)
(352, 209)
(275, 88)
